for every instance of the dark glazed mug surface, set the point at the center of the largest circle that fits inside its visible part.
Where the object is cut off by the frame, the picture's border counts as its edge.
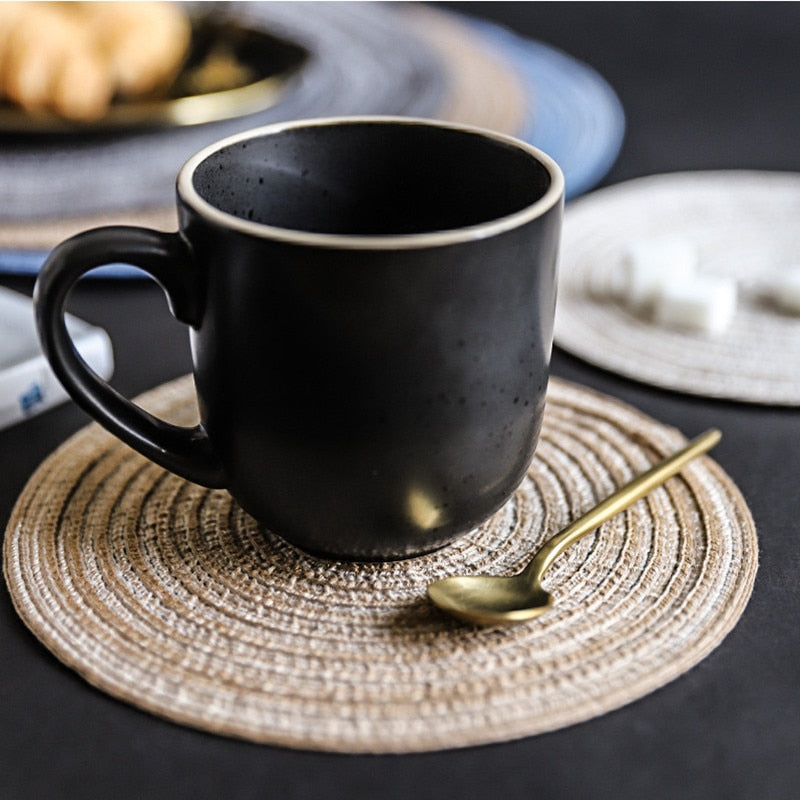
(371, 305)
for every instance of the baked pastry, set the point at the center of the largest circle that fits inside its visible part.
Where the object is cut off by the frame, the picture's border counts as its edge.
(74, 58)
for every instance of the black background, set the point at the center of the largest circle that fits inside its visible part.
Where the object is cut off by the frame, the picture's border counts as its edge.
(704, 86)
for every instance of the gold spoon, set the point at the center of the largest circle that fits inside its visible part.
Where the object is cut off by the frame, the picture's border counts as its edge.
(491, 599)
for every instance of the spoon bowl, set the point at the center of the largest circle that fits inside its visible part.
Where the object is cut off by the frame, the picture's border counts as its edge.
(491, 600)
(488, 599)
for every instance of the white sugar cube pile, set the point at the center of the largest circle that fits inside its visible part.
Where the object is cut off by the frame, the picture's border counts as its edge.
(661, 279)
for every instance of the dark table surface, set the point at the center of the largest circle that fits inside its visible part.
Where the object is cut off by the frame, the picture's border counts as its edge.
(704, 86)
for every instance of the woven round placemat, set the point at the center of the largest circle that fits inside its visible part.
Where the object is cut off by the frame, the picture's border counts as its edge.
(471, 71)
(166, 595)
(744, 224)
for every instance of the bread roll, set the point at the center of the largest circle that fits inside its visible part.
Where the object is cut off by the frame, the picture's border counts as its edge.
(73, 58)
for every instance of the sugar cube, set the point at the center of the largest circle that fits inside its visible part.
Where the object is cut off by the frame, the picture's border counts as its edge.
(704, 303)
(650, 263)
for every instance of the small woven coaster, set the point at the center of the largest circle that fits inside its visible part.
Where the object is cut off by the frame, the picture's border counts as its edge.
(744, 225)
(168, 596)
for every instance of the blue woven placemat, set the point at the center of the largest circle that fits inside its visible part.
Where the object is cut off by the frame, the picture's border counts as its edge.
(573, 113)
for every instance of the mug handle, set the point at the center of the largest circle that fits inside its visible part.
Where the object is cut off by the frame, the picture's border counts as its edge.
(166, 256)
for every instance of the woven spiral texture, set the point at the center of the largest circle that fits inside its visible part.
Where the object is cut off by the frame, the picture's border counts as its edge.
(744, 225)
(166, 595)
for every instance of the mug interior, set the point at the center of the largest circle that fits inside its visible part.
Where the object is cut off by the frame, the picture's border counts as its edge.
(371, 178)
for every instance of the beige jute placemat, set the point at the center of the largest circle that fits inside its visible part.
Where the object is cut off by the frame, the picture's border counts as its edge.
(166, 595)
(744, 225)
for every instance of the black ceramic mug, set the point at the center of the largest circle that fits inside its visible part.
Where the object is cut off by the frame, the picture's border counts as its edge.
(370, 303)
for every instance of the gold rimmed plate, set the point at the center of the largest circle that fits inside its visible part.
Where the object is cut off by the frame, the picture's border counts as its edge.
(230, 71)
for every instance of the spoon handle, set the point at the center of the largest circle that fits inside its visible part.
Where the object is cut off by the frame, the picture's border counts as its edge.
(619, 501)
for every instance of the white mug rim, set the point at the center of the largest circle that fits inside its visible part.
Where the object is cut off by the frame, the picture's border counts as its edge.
(551, 197)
